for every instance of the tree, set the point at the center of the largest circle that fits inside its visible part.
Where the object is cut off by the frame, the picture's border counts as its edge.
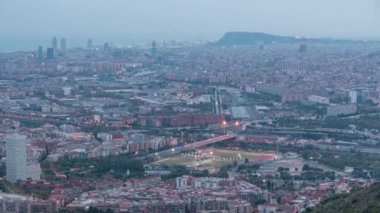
(306, 167)
(246, 160)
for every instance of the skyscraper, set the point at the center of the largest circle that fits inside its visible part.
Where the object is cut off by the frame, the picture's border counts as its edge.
(353, 94)
(302, 48)
(63, 46)
(50, 53)
(106, 46)
(16, 168)
(89, 44)
(154, 48)
(54, 44)
(40, 53)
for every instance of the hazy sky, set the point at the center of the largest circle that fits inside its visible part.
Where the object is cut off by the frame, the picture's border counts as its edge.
(27, 23)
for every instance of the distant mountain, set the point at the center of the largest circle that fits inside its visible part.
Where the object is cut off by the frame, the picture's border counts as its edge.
(249, 38)
(362, 200)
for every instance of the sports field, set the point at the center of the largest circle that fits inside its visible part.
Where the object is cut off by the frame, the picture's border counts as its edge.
(215, 157)
(205, 161)
(238, 154)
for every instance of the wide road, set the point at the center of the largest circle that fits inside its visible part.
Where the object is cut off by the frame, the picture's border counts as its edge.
(195, 145)
(210, 141)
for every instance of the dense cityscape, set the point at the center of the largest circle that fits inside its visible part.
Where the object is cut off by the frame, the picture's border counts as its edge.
(270, 125)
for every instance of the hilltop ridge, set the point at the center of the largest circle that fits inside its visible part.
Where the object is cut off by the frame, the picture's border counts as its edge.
(250, 38)
(362, 200)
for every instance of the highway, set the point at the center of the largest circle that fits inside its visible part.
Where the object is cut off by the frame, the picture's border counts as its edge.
(194, 145)
(210, 141)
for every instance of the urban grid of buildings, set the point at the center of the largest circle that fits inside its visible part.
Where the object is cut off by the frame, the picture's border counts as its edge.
(209, 123)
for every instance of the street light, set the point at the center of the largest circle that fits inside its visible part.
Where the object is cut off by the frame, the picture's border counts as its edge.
(237, 123)
(224, 126)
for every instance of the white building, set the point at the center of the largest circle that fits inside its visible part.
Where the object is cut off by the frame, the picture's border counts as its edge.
(106, 137)
(249, 89)
(97, 118)
(199, 99)
(335, 110)
(16, 168)
(46, 108)
(67, 91)
(206, 183)
(183, 182)
(319, 99)
(353, 95)
(33, 171)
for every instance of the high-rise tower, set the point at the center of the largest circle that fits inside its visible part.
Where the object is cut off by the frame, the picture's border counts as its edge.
(154, 48)
(16, 168)
(353, 94)
(63, 45)
(89, 44)
(50, 53)
(40, 53)
(54, 43)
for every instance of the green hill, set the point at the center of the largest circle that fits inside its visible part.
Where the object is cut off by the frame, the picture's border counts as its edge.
(252, 38)
(243, 38)
(363, 200)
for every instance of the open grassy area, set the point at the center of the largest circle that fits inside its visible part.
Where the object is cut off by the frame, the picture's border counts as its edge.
(216, 158)
(235, 155)
(360, 161)
(179, 160)
(242, 154)
(94, 168)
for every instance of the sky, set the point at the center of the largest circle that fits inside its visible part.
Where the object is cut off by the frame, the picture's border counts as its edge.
(24, 24)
